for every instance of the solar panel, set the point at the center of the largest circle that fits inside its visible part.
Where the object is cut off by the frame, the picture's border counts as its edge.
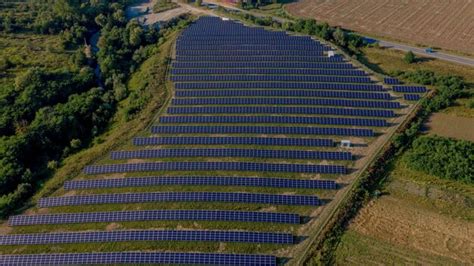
(284, 101)
(279, 58)
(199, 181)
(310, 65)
(283, 93)
(280, 110)
(269, 78)
(154, 215)
(146, 235)
(142, 141)
(410, 89)
(179, 197)
(411, 97)
(274, 120)
(261, 130)
(391, 81)
(278, 85)
(241, 153)
(138, 258)
(266, 71)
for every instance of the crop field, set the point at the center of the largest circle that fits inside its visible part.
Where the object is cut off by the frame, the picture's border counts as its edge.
(445, 24)
(420, 219)
(238, 169)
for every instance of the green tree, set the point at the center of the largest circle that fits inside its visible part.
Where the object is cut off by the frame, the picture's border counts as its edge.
(410, 57)
(340, 37)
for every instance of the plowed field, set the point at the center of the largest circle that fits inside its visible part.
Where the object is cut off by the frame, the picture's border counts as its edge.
(445, 24)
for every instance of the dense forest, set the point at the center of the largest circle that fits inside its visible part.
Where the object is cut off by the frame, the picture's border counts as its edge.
(443, 157)
(49, 111)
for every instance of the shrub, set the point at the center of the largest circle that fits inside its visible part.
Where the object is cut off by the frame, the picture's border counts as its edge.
(410, 57)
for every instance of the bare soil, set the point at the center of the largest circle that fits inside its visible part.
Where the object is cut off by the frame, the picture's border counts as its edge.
(445, 24)
(448, 125)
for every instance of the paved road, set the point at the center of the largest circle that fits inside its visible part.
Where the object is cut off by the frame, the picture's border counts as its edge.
(438, 55)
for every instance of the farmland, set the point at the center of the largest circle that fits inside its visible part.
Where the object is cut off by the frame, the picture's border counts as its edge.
(445, 24)
(291, 113)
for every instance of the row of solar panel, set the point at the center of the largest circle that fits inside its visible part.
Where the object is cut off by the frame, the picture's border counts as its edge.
(283, 93)
(237, 41)
(411, 97)
(248, 53)
(274, 130)
(264, 71)
(409, 89)
(214, 166)
(274, 120)
(146, 235)
(240, 153)
(257, 47)
(279, 85)
(280, 110)
(391, 81)
(142, 141)
(240, 78)
(261, 65)
(285, 101)
(179, 197)
(137, 258)
(259, 59)
(199, 181)
(233, 36)
(154, 215)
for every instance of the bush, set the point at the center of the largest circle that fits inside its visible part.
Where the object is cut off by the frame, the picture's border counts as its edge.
(442, 157)
(410, 57)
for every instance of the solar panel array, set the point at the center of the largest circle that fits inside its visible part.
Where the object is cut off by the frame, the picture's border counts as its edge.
(285, 101)
(259, 78)
(200, 180)
(266, 71)
(283, 93)
(409, 89)
(154, 215)
(243, 153)
(279, 85)
(180, 197)
(213, 166)
(146, 235)
(143, 141)
(279, 110)
(262, 130)
(138, 258)
(391, 81)
(274, 120)
(259, 58)
(411, 97)
(220, 63)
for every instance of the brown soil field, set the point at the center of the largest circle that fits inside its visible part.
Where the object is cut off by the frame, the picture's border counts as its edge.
(420, 220)
(452, 126)
(445, 24)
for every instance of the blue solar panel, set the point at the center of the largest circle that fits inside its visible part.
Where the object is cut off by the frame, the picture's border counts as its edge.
(411, 97)
(285, 101)
(262, 130)
(141, 141)
(274, 120)
(283, 93)
(391, 81)
(138, 258)
(280, 110)
(279, 58)
(179, 197)
(199, 181)
(279, 85)
(248, 53)
(266, 71)
(154, 215)
(241, 153)
(146, 235)
(270, 78)
(214, 166)
(410, 89)
(310, 65)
